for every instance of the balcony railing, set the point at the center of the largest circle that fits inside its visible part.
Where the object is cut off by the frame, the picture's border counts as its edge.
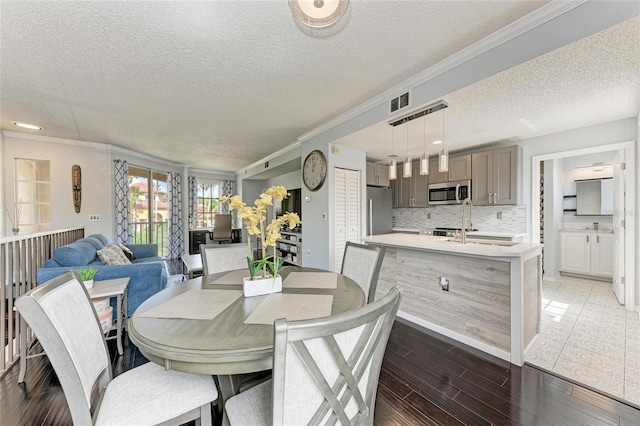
(20, 258)
(150, 233)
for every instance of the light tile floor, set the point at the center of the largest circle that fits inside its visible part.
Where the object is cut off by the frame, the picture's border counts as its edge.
(587, 336)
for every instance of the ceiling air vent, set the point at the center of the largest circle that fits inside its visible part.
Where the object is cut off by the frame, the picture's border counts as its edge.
(400, 102)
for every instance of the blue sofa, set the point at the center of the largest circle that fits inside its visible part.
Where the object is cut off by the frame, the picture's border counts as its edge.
(147, 272)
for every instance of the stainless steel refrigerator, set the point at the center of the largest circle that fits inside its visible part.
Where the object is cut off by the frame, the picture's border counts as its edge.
(379, 210)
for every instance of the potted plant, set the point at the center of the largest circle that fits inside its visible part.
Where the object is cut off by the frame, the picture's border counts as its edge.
(87, 273)
(263, 272)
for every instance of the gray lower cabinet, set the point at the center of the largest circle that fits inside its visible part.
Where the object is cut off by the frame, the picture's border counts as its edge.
(459, 169)
(495, 175)
(411, 192)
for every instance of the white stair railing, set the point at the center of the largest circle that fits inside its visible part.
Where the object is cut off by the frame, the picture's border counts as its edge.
(20, 258)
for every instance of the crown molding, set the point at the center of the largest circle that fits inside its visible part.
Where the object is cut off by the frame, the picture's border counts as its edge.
(526, 23)
(98, 146)
(271, 156)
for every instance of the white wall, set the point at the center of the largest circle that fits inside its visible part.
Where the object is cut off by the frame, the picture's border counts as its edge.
(97, 187)
(291, 180)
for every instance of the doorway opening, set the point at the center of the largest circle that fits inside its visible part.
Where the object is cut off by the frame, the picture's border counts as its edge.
(585, 333)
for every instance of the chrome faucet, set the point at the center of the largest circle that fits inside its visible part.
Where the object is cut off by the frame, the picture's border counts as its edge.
(466, 223)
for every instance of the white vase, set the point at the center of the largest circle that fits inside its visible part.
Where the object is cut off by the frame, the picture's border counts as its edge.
(88, 283)
(259, 285)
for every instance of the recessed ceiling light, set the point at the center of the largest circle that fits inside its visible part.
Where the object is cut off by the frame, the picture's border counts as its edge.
(436, 142)
(28, 126)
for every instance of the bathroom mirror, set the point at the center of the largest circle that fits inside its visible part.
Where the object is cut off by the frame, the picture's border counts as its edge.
(594, 197)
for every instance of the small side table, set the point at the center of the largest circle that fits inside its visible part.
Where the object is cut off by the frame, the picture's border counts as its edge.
(192, 265)
(113, 288)
(108, 288)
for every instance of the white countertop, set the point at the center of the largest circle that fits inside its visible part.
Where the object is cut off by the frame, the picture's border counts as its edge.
(503, 235)
(443, 244)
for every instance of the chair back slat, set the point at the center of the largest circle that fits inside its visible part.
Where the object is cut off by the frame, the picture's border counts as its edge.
(362, 264)
(62, 317)
(220, 258)
(326, 370)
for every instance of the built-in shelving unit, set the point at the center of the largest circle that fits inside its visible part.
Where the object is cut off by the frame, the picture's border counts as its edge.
(290, 247)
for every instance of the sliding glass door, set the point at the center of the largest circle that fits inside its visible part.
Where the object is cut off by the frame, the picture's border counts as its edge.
(148, 207)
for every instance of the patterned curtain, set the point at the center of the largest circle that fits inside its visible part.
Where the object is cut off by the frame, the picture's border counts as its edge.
(121, 185)
(193, 202)
(227, 189)
(175, 242)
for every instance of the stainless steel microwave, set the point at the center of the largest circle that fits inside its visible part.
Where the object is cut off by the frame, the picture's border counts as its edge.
(449, 192)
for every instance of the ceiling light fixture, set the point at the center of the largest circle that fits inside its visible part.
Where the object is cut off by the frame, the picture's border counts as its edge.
(27, 125)
(407, 166)
(318, 13)
(596, 167)
(393, 166)
(424, 160)
(443, 155)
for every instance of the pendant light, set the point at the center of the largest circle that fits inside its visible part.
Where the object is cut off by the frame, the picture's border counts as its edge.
(393, 166)
(424, 160)
(443, 155)
(406, 167)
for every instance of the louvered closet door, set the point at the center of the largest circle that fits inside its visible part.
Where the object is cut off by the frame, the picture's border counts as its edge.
(347, 211)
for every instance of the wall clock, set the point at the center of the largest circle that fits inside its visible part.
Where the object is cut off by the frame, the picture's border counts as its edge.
(314, 170)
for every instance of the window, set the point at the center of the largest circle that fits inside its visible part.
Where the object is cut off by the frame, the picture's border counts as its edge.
(148, 207)
(32, 196)
(208, 204)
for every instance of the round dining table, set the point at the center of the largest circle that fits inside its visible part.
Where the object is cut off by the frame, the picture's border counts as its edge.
(225, 345)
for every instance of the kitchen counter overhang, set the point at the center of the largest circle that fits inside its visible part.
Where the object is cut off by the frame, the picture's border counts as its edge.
(493, 300)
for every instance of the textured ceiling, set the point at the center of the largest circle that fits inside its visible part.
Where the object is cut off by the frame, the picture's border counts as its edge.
(221, 84)
(591, 81)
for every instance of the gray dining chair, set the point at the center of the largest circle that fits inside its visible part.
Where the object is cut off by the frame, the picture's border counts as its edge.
(63, 319)
(362, 264)
(222, 228)
(325, 370)
(220, 258)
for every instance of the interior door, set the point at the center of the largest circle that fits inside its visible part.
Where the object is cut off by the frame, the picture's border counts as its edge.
(347, 211)
(618, 229)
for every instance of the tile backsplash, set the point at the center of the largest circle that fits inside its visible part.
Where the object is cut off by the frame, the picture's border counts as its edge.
(484, 218)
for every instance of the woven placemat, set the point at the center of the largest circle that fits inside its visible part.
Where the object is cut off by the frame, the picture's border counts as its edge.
(293, 307)
(311, 280)
(198, 304)
(233, 277)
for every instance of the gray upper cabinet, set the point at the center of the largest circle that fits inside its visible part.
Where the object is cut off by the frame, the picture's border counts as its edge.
(495, 176)
(377, 174)
(459, 169)
(410, 192)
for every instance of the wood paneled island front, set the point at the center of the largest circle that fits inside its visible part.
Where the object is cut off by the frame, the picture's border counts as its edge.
(494, 291)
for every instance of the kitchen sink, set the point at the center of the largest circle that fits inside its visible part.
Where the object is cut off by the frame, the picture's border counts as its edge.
(484, 242)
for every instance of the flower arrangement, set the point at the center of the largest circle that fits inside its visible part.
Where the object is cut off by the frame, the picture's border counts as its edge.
(15, 221)
(254, 221)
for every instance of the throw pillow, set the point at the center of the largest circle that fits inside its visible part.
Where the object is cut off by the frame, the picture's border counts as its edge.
(127, 252)
(109, 257)
(120, 253)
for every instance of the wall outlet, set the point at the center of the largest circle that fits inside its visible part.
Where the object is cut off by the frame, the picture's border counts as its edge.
(323, 216)
(444, 283)
(94, 218)
(428, 215)
(308, 253)
(499, 215)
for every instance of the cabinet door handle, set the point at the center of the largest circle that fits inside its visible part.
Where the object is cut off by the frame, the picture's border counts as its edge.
(587, 238)
(495, 197)
(490, 195)
(597, 238)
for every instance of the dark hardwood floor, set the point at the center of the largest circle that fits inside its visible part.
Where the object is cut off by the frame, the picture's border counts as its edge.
(426, 379)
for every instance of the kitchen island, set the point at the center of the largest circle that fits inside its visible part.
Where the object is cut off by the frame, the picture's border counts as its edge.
(484, 294)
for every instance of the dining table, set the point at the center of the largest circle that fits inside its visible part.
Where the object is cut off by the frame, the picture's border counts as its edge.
(206, 326)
